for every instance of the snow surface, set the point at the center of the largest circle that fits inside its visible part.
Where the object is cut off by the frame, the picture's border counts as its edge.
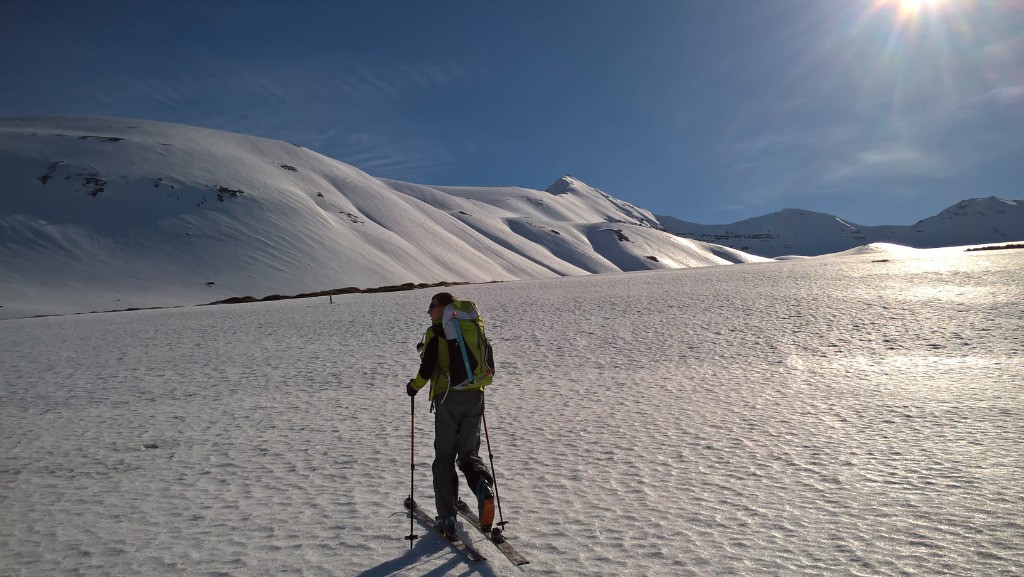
(854, 415)
(100, 214)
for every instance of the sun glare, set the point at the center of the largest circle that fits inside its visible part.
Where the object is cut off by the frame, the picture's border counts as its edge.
(909, 9)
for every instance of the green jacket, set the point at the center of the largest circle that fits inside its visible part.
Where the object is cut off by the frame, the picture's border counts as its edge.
(435, 364)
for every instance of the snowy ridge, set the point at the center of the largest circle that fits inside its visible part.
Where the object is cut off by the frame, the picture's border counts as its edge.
(105, 213)
(808, 233)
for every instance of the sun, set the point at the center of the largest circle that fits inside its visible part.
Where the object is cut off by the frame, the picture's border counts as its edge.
(917, 5)
(914, 8)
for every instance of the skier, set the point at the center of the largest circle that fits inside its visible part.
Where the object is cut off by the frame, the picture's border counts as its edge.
(459, 410)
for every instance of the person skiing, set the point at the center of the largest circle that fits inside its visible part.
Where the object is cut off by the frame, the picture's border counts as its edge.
(459, 406)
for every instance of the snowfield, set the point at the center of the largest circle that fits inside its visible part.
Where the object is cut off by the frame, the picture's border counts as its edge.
(849, 415)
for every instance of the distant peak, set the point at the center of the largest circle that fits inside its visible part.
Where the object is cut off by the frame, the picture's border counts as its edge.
(802, 212)
(565, 185)
(979, 206)
(990, 200)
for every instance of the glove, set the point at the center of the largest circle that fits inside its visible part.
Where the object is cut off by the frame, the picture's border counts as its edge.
(410, 389)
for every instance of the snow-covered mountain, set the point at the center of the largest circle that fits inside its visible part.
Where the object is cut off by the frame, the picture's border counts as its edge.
(106, 213)
(803, 232)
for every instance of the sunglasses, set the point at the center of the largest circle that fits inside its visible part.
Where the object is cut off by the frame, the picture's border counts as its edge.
(432, 307)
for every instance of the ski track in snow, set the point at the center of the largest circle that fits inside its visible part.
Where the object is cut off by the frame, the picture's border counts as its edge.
(829, 416)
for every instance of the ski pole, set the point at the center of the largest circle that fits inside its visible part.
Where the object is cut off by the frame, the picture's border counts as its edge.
(410, 504)
(501, 518)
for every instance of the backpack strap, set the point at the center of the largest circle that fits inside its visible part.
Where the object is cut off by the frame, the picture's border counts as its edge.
(470, 377)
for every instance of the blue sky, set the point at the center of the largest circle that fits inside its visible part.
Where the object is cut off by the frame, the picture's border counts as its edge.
(878, 111)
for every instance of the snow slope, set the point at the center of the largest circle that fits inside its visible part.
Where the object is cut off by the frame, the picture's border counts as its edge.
(850, 415)
(803, 232)
(105, 213)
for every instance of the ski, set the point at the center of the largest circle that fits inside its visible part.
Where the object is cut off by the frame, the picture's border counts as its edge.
(458, 544)
(495, 536)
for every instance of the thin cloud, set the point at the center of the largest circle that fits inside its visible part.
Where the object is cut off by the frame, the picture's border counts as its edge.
(1007, 95)
(903, 159)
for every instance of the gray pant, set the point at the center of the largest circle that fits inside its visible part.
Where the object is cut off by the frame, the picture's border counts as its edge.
(457, 440)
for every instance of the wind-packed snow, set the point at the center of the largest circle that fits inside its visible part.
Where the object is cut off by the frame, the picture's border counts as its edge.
(854, 415)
